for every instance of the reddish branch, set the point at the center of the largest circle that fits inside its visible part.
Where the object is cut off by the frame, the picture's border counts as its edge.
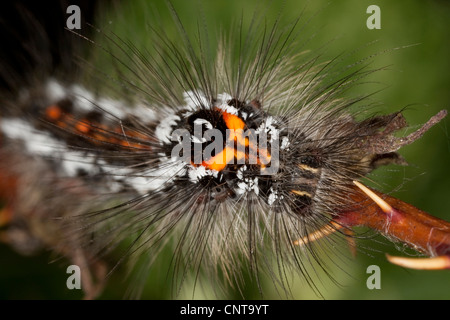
(403, 222)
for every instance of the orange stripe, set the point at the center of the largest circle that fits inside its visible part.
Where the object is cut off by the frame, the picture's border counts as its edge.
(219, 161)
(96, 131)
(82, 126)
(232, 121)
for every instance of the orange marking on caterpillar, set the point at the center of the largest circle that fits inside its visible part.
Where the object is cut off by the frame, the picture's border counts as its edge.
(228, 154)
(53, 112)
(97, 133)
(83, 126)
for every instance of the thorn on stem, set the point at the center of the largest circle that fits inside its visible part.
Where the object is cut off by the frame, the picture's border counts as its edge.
(435, 263)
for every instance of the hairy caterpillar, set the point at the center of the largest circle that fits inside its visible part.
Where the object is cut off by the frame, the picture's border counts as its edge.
(119, 176)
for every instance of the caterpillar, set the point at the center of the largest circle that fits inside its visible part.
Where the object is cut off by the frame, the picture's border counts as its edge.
(237, 152)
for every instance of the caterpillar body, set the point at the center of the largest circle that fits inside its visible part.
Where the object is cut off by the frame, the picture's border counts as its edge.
(235, 154)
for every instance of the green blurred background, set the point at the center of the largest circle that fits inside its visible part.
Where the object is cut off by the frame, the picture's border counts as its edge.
(418, 78)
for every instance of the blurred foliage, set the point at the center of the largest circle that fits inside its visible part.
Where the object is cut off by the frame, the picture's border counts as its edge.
(414, 45)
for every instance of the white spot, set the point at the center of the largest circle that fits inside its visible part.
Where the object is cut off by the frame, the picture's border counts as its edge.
(164, 174)
(72, 162)
(248, 184)
(55, 91)
(36, 142)
(228, 109)
(113, 107)
(41, 143)
(186, 114)
(222, 103)
(194, 100)
(255, 186)
(150, 179)
(203, 121)
(268, 127)
(164, 129)
(194, 139)
(200, 122)
(284, 143)
(196, 173)
(142, 184)
(244, 115)
(144, 113)
(240, 172)
(273, 196)
(84, 99)
(271, 199)
(223, 98)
